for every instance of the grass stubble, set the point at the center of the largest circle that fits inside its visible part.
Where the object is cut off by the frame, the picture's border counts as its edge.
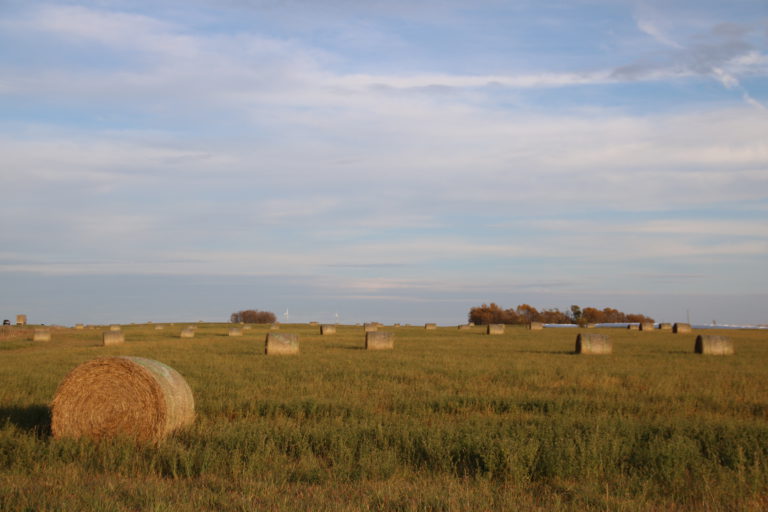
(449, 420)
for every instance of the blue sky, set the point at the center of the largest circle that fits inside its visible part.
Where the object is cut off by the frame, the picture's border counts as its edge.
(386, 160)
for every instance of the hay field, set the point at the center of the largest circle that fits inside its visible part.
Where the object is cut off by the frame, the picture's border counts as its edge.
(448, 420)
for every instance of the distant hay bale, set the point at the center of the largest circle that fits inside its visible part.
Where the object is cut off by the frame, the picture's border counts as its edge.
(709, 344)
(41, 335)
(235, 331)
(679, 328)
(187, 332)
(313, 324)
(370, 327)
(114, 327)
(665, 326)
(247, 327)
(471, 324)
(159, 327)
(281, 343)
(495, 329)
(112, 338)
(430, 327)
(646, 326)
(274, 327)
(593, 344)
(396, 325)
(79, 327)
(590, 326)
(633, 327)
(128, 397)
(21, 319)
(464, 327)
(325, 329)
(379, 340)
(535, 326)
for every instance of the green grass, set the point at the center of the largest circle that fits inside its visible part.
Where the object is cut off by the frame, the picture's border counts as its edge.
(449, 420)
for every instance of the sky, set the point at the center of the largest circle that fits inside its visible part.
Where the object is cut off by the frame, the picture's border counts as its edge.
(394, 161)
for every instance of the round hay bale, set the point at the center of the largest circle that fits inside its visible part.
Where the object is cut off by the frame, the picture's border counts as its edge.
(247, 327)
(665, 326)
(159, 327)
(379, 340)
(430, 327)
(79, 327)
(114, 327)
(370, 327)
(281, 343)
(495, 329)
(464, 327)
(325, 330)
(593, 344)
(396, 325)
(235, 331)
(535, 326)
(313, 324)
(590, 326)
(274, 327)
(709, 344)
(679, 328)
(646, 326)
(633, 327)
(187, 332)
(112, 338)
(41, 335)
(129, 397)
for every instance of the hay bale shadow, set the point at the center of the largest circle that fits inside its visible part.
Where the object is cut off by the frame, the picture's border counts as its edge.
(33, 419)
(561, 352)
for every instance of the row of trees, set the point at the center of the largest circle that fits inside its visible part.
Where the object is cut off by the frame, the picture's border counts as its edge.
(525, 313)
(253, 316)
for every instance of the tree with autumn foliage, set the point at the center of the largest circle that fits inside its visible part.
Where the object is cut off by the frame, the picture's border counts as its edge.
(525, 314)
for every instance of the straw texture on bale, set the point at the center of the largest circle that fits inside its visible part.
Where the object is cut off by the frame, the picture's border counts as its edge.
(646, 326)
(709, 344)
(281, 343)
(325, 330)
(132, 397)
(112, 338)
(430, 327)
(679, 328)
(665, 327)
(41, 335)
(633, 327)
(114, 327)
(370, 327)
(495, 329)
(379, 341)
(21, 319)
(535, 326)
(187, 333)
(235, 331)
(593, 344)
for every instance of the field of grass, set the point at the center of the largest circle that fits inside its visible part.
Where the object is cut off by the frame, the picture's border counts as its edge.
(449, 420)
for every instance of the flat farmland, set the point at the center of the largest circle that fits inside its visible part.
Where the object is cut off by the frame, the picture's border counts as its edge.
(448, 420)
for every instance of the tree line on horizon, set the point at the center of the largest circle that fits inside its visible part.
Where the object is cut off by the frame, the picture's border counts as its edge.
(525, 314)
(253, 316)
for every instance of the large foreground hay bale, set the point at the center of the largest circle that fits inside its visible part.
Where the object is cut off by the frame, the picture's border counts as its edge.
(646, 326)
(679, 328)
(593, 344)
(281, 343)
(379, 340)
(709, 344)
(114, 327)
(21, 319)
(370, 327)
(41, 335)
(430, 327)
(112, 338)
(495, 329)
(235, 331)
(187, 332)
(129, 397)
(664, 326)
(325, 329)
(535, 326)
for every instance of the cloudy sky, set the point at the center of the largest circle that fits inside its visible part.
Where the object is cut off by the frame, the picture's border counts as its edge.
(384, 160)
